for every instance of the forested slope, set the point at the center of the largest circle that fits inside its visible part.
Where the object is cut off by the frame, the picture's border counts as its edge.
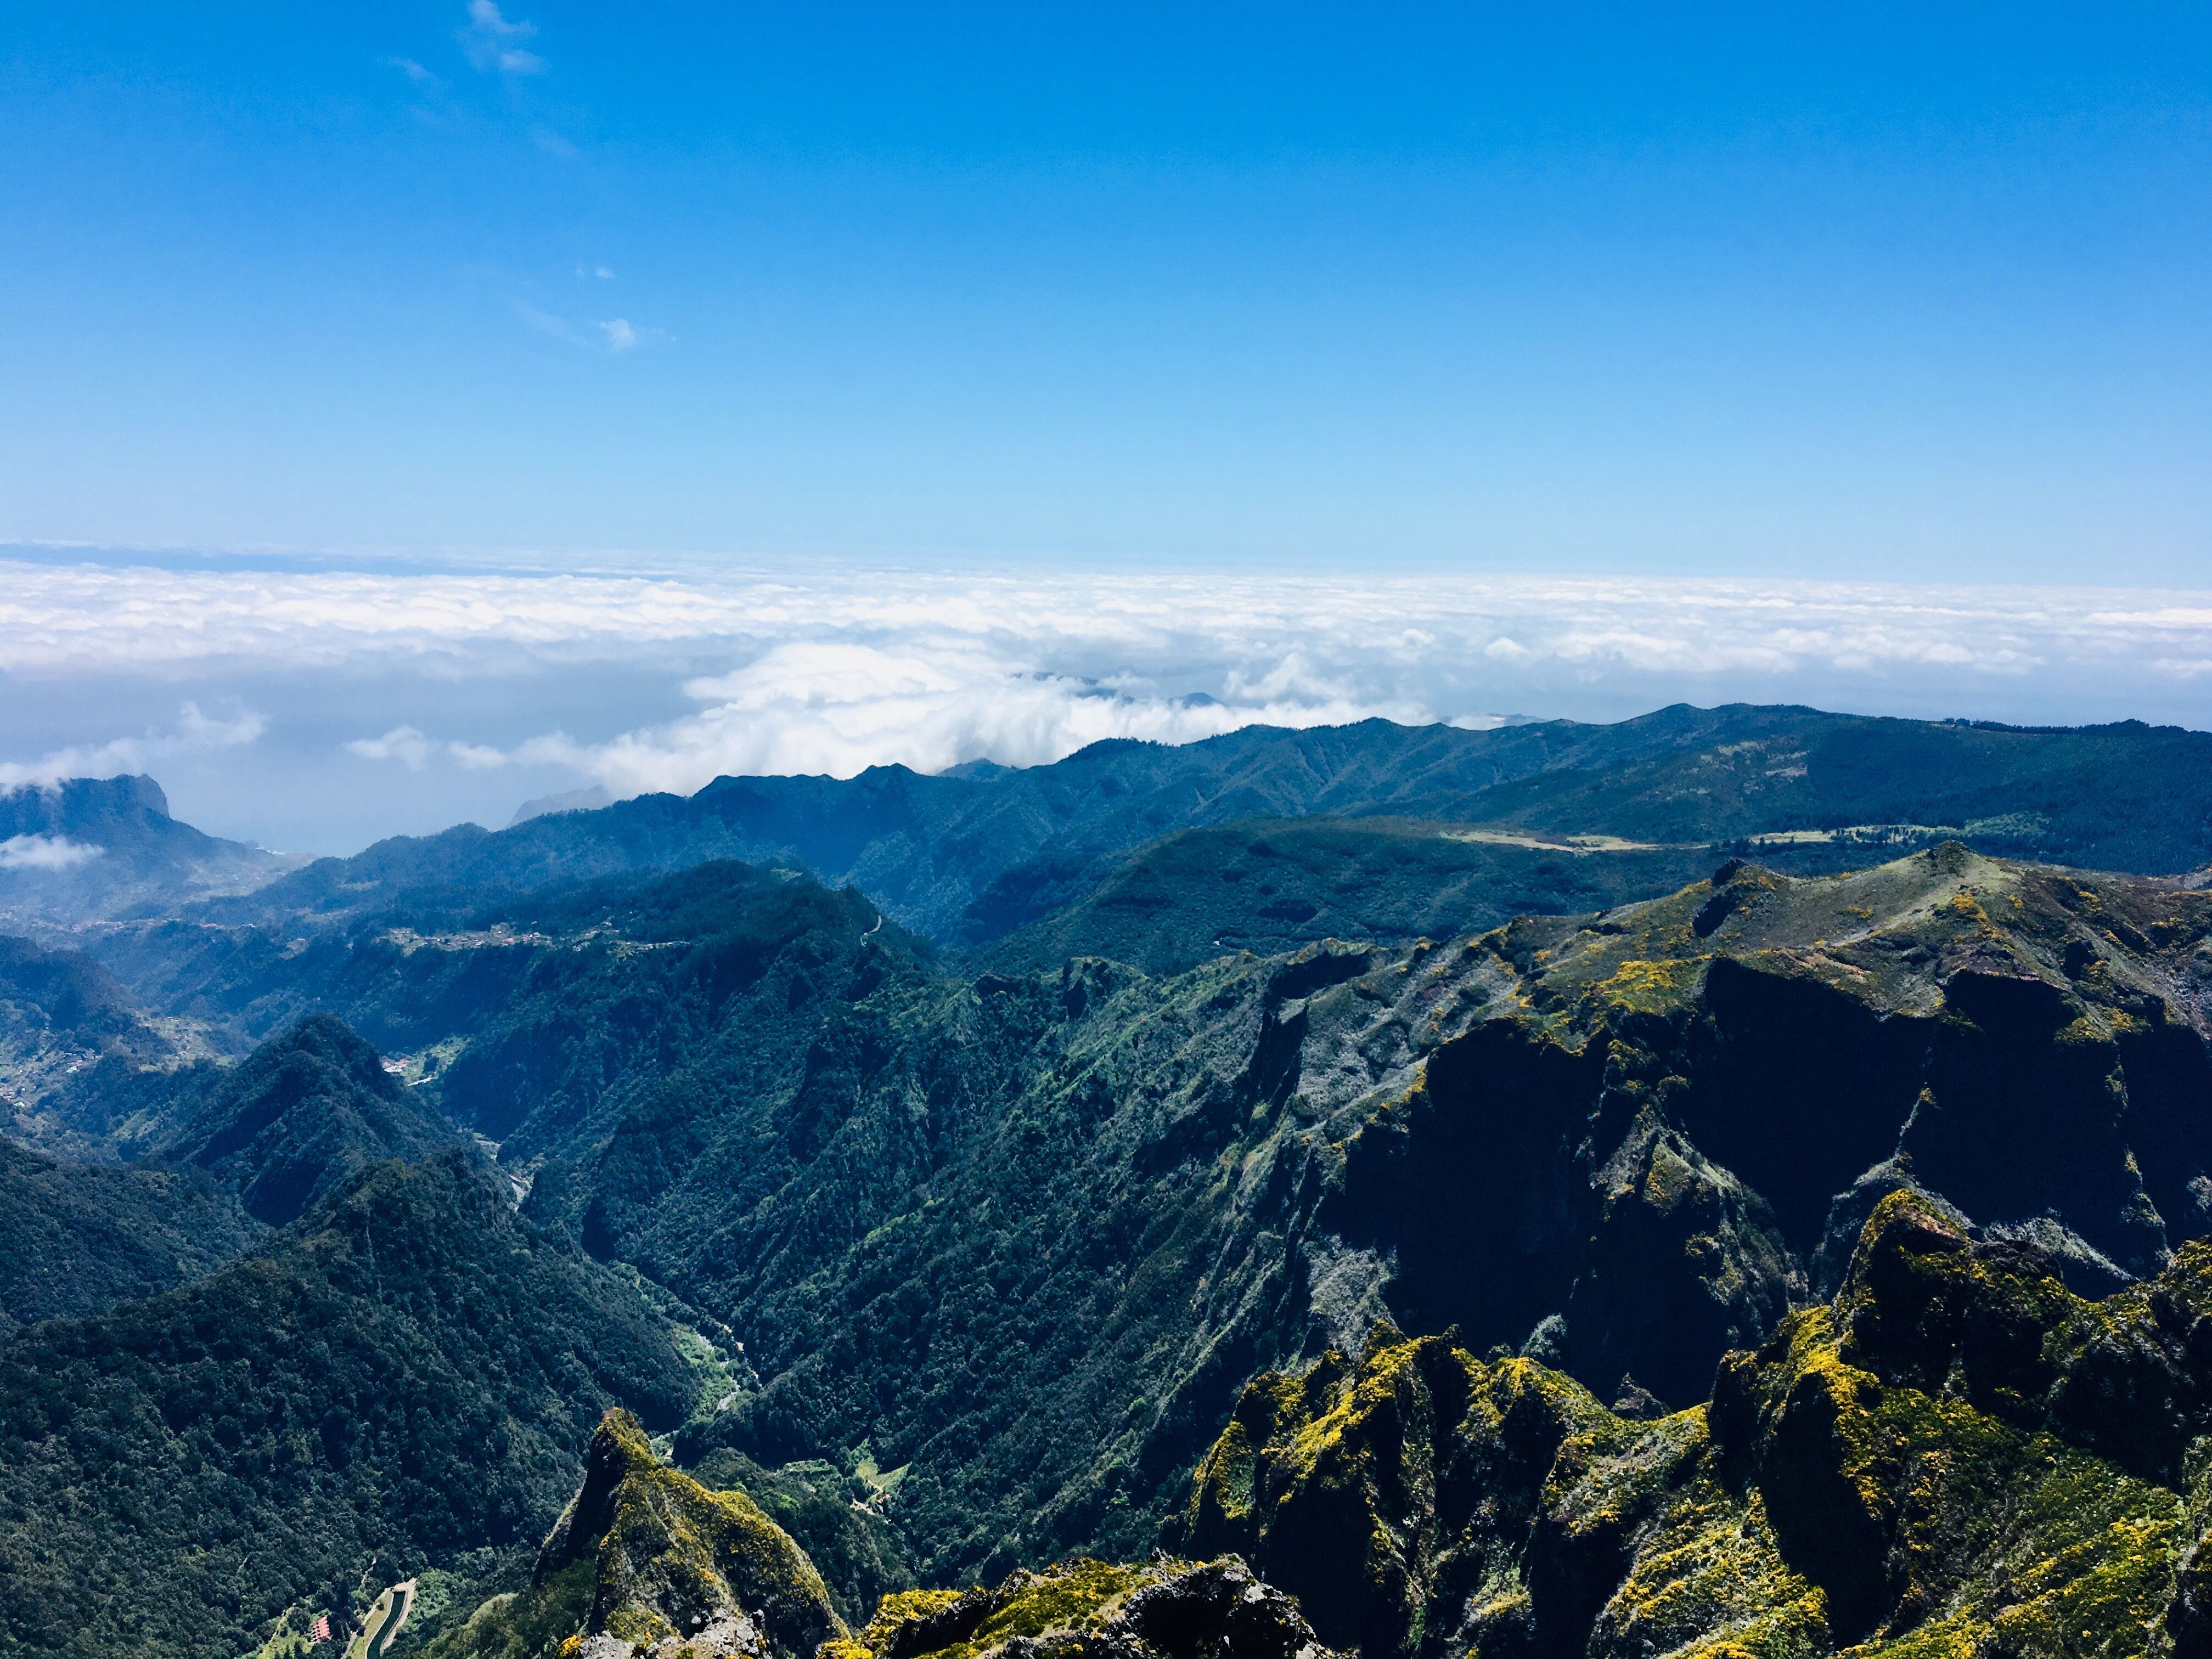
(414, 1375)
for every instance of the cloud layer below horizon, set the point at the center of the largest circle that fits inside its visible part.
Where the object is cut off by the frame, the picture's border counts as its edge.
(430, 683)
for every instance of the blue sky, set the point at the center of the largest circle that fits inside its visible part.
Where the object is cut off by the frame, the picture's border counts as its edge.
(1860, 293)
(409, 408)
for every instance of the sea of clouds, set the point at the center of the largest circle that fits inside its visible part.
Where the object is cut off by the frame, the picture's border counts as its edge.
(405, 690)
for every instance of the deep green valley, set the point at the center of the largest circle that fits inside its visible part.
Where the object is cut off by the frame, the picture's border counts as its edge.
(1737, 1182)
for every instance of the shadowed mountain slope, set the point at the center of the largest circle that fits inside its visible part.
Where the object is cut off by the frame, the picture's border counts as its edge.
(1957, 1455)
(1025, 1235)
(235, 1152)
(1271, 884)
(299, 1114)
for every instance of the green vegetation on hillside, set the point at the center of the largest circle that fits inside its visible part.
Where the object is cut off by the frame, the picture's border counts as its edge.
(838, 1519)
(1271, 884)
(80, 1239)
(62, 1016)
(665, 1559)
(1157, 1609)
(989, 1259)
(1026, 1235)
(411, 1377)
(299, 1114)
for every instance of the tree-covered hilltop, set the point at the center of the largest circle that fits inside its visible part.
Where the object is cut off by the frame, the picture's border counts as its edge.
(295, 1118)
(1268, 885)
(412, 1376)
(181, 1170)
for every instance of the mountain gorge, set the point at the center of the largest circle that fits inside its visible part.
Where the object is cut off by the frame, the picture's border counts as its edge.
(1593, 1231)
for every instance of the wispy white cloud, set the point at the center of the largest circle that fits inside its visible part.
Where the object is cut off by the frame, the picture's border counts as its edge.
(401, 743)
(840, 707)
(193, 730)
(45, 853)
(619, 334)
(414, 71)
(546, 323)
(495, 43)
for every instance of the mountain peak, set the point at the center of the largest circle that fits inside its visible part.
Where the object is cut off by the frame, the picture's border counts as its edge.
(302, 1112)
(672, 1559)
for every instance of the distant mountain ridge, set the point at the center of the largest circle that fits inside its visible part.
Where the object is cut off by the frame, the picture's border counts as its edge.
(971, 854)
(89, 848)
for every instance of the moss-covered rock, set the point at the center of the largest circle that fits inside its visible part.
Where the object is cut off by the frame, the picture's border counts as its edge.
(1389, 1493)
(1957, 1455)
(1086, 1610)
(672, 1569)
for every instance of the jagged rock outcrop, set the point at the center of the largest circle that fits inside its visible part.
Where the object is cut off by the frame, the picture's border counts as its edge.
(1086, 1610)
(1385, 1491)
(678, 1568)
(1667, 1125)
(1957, 1455)
(646, 1560)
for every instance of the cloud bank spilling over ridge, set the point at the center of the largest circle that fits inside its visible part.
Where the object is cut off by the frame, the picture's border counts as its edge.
(835, 668)
(193, 730)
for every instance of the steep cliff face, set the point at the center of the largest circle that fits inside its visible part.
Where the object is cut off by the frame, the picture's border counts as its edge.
(1957, 1455)
(1660, 1114)
(1029, 1235)
(1388, 1490)
(1025, 1236)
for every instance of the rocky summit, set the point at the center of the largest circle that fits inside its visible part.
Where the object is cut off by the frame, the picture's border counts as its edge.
(645, 1560)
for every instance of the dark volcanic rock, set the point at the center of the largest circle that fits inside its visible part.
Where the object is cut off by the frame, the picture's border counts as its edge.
(1086, 1610)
